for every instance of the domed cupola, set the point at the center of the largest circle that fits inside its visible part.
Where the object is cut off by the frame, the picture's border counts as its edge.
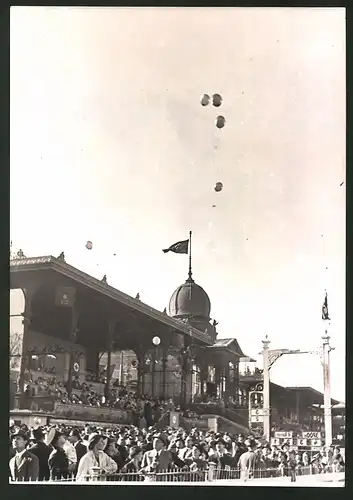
(190, 301)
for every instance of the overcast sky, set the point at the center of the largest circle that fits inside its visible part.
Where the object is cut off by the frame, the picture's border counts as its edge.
(109, 143)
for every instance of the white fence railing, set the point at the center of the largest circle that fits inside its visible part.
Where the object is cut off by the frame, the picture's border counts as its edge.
(197, 476)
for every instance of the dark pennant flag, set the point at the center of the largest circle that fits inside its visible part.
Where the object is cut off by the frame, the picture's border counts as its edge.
(325, 315)
(179, 247)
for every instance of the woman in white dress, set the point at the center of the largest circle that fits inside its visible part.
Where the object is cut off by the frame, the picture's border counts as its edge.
(95, 463)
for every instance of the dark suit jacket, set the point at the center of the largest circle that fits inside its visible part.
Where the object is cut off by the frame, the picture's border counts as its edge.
(225, 459)
(123, 452)
(81, 450)
(28, 468)
(58, 465)
(42, 452)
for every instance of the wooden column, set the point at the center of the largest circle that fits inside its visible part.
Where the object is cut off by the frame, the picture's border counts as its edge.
(164, 363)
(140, 354)
(73, 336)
(153, 367)
(27, 314)
(111, 329)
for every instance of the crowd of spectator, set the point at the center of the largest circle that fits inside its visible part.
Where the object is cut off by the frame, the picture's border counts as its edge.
(63, 452)
(142, 407)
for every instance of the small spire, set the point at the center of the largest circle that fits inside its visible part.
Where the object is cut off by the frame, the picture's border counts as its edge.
(137, 296)
(20, 254)
(104, 279)
(61, 257)
(190, 280)
(266, 342)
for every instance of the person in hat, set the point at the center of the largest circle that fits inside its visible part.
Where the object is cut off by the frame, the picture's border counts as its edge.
(122, 448)
(158, 459)
(224, 457)
(58, 460)
(186, 452)
(112, 451)
(42, 452)
(174, 452)
(292, 466)
(135, 459)
(95, 459)
(80, 448)
(24, 466)
(195, 462)
(70, 451)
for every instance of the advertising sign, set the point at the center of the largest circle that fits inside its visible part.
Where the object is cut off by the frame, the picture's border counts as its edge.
(284, 434)
(65, 296)
(316, 442)
(311, 434)
(174, 420)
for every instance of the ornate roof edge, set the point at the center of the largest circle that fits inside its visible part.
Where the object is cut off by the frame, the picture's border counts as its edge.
(32, 261)
(247, 359)
(228, 346)
(37, 263)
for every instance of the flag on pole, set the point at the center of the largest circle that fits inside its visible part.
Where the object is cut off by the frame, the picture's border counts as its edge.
(325, 315)
(179, 247)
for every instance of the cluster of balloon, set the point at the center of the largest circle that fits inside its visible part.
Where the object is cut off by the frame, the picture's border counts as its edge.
(89, 245)
(220, 123)
(216, 100)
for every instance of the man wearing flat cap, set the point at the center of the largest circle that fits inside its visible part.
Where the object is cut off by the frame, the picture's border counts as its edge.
(158, 459)
(42, 452)
(24, 466)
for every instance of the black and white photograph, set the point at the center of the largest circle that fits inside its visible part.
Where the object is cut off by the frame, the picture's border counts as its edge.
(177, 246)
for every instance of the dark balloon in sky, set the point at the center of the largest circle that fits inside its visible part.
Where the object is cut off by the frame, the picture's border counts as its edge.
(218, 187)
(220, 121)
(217, 100)
(205, 99)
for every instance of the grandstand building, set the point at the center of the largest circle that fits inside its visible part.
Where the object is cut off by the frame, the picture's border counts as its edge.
(70, 319)
(67, 325)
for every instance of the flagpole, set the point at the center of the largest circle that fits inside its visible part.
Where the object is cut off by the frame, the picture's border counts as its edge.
(190, 272)
(325, 354)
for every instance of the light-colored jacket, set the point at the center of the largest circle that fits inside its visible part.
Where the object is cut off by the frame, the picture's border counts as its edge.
(70, 451)
(105, 463)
